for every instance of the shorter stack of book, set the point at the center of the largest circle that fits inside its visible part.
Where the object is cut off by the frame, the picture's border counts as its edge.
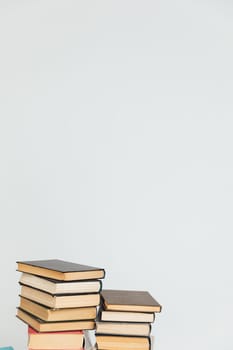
(58, 301)
(124, 320)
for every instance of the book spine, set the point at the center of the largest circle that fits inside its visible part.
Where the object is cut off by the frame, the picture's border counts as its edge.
(104, 273)
(101, 286)
(150, 344)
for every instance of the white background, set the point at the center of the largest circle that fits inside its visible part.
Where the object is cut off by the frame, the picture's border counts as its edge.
(116, 122)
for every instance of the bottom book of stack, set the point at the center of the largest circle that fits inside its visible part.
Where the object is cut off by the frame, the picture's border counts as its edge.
(69, 340)
(89, 346)
(107, 342)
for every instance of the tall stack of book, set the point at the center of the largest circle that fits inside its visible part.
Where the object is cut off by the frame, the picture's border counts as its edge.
(58, 301)
(124, 320)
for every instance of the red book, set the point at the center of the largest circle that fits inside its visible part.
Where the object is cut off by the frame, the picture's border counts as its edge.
(65, 340)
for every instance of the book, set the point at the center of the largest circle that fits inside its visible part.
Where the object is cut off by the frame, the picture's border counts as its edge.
(129, 300)
(42, 326)
(53, 286)
(121, 316)
(60, 270)
(152, 344)
(123, 328)
(116, 342)
(60, 301)
(55, 340)
(48, 314)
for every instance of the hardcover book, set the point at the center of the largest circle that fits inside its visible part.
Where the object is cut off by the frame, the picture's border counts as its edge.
(55, 340)
(42, 326)
(49, 314)
(121, 316)
(60, 270)
(109, 342)
(123, 328)
(60, 301)
(53, 286)
(129, 300)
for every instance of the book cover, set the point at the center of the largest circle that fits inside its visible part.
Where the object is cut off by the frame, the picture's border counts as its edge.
(119, 342)
(42, 326)
(33, 331)
(123, 328)
(63, 314)
(129, 300)
(54, 287)
(126, 316)
(55, 340)
(60, 301)
(60, 269)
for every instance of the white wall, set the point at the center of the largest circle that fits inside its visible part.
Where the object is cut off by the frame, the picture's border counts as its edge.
(116, 151)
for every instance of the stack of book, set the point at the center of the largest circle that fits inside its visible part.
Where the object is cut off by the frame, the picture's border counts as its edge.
(124, 320)
(58, 301)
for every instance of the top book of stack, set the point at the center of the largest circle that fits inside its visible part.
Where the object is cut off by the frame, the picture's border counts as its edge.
(60, 270)
(129, 300)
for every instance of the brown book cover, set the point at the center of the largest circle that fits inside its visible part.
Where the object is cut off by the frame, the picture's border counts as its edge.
(60, 270)
(42, 326)
(129, 300)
